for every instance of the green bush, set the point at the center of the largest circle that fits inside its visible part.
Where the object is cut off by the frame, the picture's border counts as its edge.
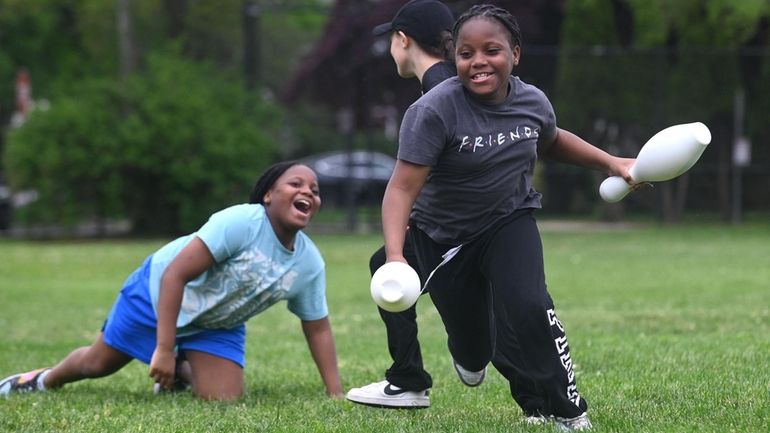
(164, 149)
(69, 155)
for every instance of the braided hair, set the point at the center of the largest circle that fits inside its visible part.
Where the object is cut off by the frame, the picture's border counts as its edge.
(494, 13)
(267, 180)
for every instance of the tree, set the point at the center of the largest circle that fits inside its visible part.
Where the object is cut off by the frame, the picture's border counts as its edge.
(176, 139)
(164, 151)
(650, 64)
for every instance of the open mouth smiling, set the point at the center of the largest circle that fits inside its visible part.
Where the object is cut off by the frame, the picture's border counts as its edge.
(303, 205)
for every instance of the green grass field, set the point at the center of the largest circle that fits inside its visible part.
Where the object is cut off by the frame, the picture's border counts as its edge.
(669, 327)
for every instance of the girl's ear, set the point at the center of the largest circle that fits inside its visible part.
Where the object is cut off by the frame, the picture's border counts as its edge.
(266, 199)
(403, 39)
(516, 55)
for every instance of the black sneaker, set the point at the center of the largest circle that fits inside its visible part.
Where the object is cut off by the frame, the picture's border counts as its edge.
(21, 383)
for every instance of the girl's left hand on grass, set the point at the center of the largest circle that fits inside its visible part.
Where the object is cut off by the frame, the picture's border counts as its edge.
(163, 367)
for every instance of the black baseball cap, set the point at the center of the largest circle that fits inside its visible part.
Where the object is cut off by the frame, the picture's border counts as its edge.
(422, 20)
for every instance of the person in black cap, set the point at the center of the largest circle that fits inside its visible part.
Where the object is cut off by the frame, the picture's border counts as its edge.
(421, 47)
(421, 41)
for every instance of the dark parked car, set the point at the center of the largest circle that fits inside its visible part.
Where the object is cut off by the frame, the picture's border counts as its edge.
(362, 174)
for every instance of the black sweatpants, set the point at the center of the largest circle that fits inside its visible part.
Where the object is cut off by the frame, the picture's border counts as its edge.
(493, 300)
(408, 371)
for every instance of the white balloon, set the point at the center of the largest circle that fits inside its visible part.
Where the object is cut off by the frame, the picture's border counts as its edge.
(666, 155)
(395, 286)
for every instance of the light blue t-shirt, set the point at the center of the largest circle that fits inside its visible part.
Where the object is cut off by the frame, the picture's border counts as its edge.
(253, 271)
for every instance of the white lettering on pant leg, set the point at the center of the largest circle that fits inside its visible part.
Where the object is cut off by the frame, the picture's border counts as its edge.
(572, 394)
(561, 344)
(566, 362)
(553, 320)
(562, 348)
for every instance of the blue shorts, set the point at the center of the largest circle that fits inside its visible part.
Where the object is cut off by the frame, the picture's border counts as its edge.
(131, 326)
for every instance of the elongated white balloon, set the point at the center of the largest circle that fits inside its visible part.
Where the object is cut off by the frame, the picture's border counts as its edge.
(666, 155)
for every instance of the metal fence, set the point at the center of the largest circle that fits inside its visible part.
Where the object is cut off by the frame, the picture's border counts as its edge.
(618, 98)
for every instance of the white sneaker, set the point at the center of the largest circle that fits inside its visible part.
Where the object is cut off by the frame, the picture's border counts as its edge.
(535, 420)
(579, 423)
(469, 378)
(385, 394)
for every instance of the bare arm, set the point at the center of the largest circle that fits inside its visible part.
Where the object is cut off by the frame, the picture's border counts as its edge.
(192, 261)
(405, 184)
(571, 149)
(321, 342)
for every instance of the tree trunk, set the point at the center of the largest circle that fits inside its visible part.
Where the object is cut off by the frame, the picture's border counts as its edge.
(126, 43)
(175, 16)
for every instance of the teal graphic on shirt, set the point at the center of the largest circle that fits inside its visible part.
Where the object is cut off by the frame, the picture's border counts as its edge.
(253, 271)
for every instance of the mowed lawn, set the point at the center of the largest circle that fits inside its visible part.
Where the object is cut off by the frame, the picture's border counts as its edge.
(669, 327)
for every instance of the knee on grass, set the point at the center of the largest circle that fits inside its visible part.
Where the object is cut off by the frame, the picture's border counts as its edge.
(218, 394)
